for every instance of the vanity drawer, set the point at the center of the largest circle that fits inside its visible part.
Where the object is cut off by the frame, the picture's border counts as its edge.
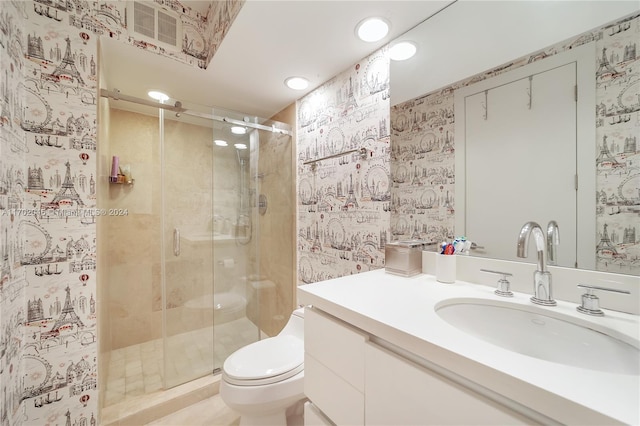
(404, 393)
(336, 345)
(332, 395)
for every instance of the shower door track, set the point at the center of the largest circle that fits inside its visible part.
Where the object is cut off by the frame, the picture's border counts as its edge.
(178, 109)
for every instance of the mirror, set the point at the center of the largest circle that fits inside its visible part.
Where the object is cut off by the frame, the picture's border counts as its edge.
(507, 36)
(532, 116)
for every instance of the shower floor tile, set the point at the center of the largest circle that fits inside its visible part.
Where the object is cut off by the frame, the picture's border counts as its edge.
(139, 369)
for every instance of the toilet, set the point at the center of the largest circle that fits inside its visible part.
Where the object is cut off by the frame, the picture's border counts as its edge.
(264, 381)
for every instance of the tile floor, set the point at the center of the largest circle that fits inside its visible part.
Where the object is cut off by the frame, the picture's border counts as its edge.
(209, 412)
(139, 369)
(135, 375)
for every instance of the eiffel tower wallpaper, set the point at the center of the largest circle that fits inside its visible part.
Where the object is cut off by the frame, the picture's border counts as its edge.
(605, 158)
(605, 68)
(49, 118)
(46, 51)
(67, 190)
(68, 316)
(67, 68)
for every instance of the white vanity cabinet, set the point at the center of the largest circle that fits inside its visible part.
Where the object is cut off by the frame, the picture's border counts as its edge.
(401, 392)
(353, 381)
(378, 352)
(334, 367)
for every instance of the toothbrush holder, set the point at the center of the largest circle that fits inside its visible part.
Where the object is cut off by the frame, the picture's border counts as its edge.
(446, 268)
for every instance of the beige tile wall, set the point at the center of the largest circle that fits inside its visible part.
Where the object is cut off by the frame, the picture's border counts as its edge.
(277, 225)
(133, 240)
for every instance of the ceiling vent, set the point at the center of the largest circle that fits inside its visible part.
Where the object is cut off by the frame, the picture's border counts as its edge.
(155, 24)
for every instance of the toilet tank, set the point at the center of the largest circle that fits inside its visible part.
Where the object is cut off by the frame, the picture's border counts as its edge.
(295, 325)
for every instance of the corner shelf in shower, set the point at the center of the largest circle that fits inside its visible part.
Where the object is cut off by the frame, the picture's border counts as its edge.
(120, 180)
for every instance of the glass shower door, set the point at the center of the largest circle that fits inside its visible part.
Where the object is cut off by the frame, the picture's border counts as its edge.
(220, 292)
(187, 271)
(236, 300)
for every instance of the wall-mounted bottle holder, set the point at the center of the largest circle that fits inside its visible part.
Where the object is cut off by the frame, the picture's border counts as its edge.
(120, 174)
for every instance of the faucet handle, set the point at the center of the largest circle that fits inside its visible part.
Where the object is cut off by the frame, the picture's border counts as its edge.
(503, 283)
(591, 302)
(553, 239)
(475, 246)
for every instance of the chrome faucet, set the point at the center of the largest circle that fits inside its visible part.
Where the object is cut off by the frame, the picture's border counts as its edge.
(553, 239)
(542, 290)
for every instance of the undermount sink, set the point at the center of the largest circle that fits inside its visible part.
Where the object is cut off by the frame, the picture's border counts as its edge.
(528, 331)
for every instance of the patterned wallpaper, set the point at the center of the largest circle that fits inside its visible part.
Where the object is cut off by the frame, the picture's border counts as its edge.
(422, 156)
(422, 168)
(337, 236)
(48, 114)
(343, 203)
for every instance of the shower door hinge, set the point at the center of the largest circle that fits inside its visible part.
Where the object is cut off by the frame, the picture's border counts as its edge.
(576, 181)
(575, 91)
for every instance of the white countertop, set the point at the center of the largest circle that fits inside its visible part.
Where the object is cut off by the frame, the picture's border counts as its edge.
(402, 311)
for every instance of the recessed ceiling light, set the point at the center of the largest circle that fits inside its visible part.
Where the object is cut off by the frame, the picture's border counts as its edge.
(240, 146)
(402, 50)
(297, 83)
(238, 130)
(220, 142)
(372, 29)
(158, 96)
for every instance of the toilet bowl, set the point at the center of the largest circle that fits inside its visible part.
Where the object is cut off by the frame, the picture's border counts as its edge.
(264, 381)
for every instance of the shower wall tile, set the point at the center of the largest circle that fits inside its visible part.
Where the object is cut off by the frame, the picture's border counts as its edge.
(136, 138)
(139, 329)
(140, 201)
(131, 291)
(134, 240)
(276, 229)
(132, 248)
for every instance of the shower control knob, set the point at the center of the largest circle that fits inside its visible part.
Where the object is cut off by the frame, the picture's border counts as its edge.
(262, 204)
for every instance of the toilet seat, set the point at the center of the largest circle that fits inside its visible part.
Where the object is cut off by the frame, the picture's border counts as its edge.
(266, 361)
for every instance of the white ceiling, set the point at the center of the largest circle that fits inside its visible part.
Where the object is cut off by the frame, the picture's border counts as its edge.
(272, 40)
(268, 42)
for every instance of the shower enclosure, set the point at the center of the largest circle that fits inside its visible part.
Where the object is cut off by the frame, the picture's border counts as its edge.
(195, 246)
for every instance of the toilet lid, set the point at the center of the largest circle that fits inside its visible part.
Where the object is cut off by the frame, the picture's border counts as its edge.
(271, 358)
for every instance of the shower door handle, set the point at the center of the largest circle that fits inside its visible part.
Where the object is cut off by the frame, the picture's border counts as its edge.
(176, 242)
